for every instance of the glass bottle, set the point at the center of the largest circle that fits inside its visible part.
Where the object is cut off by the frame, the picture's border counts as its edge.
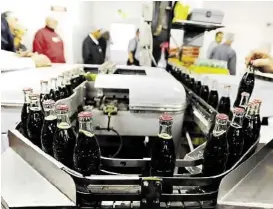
(81, 75)
(75, 78)
(54, 93)
(248, 127)
(64, 138)
(61, 87)
(163, 151)
(224, 103)
(257, 118)
(44, 93)
(197, 85)
(25, 110)
(35, 120)
(235, 137)
(246, 84)
(49, 127)
(87, 153)
(204, 92)
(244, 100)
(216, 149)
(213, 95)
(67, 83)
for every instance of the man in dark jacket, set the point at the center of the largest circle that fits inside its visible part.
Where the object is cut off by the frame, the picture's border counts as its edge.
(91, 50)
(8, 25)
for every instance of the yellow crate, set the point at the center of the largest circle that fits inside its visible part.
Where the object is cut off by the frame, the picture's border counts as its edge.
(208, 70)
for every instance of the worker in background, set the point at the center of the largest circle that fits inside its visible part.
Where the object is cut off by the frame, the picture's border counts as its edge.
(104, 41)
(134, 50)
(48, 42)
(91, 51)
(226, 53)
(262, 60)
(218, 40)
(8, 24)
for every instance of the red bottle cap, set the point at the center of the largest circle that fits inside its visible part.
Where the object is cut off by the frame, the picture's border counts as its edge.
(49, 102)
(27, 89)
(62, 107)
(222, 116)
(251, 104)
(85, 115)
(238, 110)
(165, 117)
(245, 94)
(258, 101)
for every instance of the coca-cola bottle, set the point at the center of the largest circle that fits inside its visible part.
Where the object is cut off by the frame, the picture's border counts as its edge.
(213, 95)
(87, 153)
(44, 93)
(163, 151)
(224, 103)
(35, 120)
(244, 100)
(246, 85)
(257, 118)
(68, 83)
(64, 138)
(191, 82)
(235, 137)
(197, 85)
(54, 93)
(204, 92)
(187, 80)
(75, 78)
(61, 87)
(248, 127)
(25, 110)
(216, 149)
(81, 75)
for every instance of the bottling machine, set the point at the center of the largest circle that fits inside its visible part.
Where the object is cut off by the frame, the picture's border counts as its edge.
(123, 109)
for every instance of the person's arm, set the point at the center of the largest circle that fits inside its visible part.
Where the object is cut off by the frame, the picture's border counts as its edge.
(39, 43)
(232, 65)
(131, 49)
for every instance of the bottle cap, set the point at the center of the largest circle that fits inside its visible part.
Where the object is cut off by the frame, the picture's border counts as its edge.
(62, 107)
(257, 101)
(238, 110)
(27, 89)
(49, 102)
(85, 115)
(165, 117)
(245, 94)
(251, 104)
(222, 116)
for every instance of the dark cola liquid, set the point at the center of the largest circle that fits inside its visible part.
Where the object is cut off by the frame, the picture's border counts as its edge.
(69, 89)
(224, 105)
(204, 92)
(215, 155)
(75, 82)
(191, 83)
(187, 80)
(246, 85)
(213, 98)
(24, 116)
(34, 126)
(248, 133)
(52, 95)
(63, 92)
(197, 87)
(87, 154)
(43, 97)
(82, 78)
(48, 131)
(163, 160)
(235, 143)
(63, 144)
(257, 126)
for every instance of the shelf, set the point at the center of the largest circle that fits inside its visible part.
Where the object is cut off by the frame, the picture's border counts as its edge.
(195, 26)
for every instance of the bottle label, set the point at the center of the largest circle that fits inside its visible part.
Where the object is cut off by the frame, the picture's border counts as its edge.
(51, 117)
(87, 133)
(164, 136)
(63, 125)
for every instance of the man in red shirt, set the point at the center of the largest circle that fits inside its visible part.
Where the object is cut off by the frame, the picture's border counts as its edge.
(48, 42)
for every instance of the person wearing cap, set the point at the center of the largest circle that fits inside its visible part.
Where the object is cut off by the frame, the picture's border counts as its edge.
(226, 53)
(91, 50)
(263, 61)
(134, 50)
(48, 42)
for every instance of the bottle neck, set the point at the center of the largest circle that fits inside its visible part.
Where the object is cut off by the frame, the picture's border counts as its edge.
(67, 80)
(165, 129)
(214, 86)
(257, 109)
(63, 120)
(49, 112)
(35, 105)
(237, 120)
(251, 69)
(226, 92)
(61, 81)
(244, 102)
(86, 125)
(250, 112)
(220, 127)
(44, 88)
(26, 98)
(54, 84)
